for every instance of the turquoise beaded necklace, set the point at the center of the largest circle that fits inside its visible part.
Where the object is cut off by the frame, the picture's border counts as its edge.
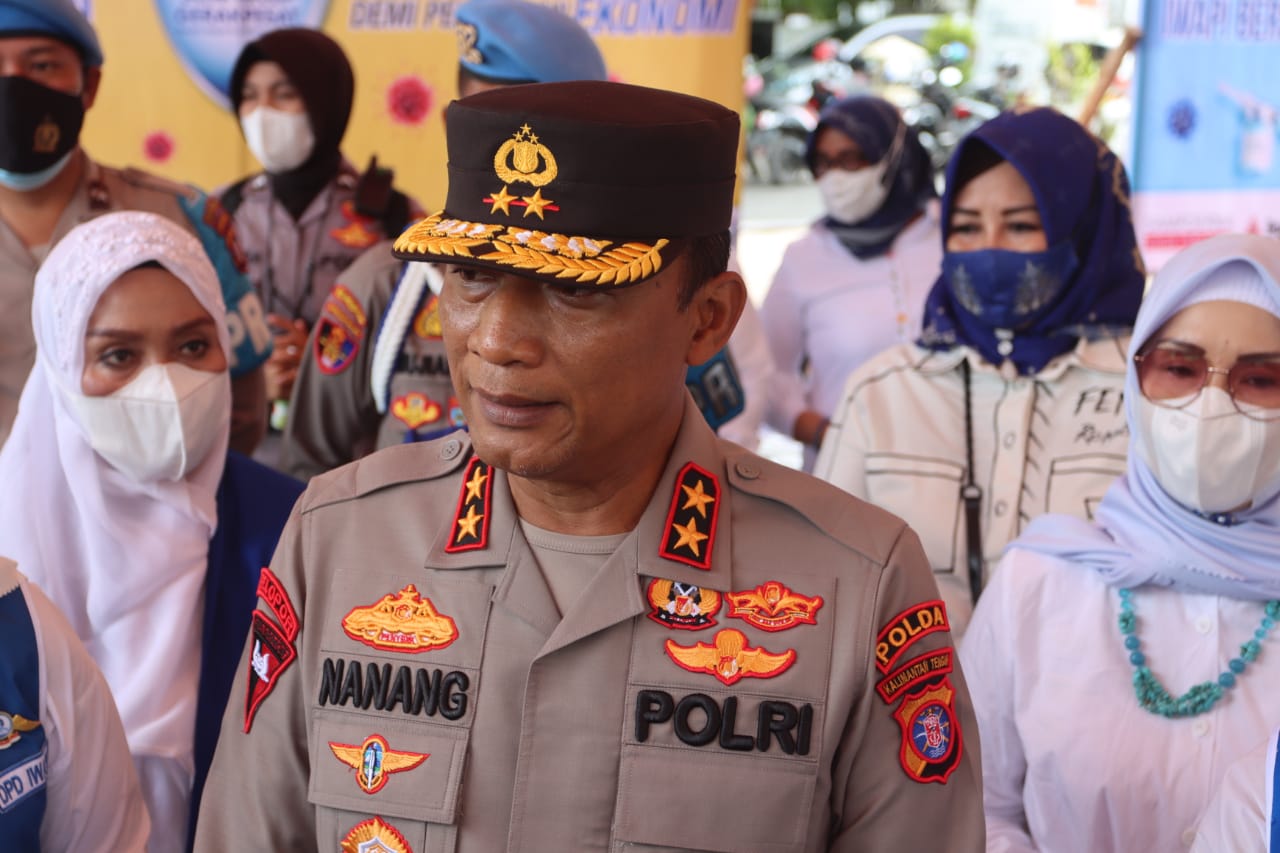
(1153, 696)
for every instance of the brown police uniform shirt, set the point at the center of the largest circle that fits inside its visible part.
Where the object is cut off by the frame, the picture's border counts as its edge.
(334, 417)
(761, 665)
(102, 190)
(293, 264)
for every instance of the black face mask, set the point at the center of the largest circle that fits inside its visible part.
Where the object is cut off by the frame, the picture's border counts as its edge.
(38, 125)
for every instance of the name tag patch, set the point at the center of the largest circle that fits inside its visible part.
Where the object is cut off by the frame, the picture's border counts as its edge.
(21, 781)
(418, 692)
(701, 720)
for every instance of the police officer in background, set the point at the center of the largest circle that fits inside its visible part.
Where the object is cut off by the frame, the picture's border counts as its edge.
(591, 624)
(50, 69)
(308, 214)
(373, 376)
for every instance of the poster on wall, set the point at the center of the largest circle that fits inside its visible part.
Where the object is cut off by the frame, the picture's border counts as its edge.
(164, 104)
(1205, 157)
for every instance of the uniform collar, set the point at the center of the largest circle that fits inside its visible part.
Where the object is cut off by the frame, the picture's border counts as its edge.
(672, 540)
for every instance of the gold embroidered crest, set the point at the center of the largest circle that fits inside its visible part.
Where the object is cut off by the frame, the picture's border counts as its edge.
(467, 50)
(524, 158)
(47, 136)
(404, 622)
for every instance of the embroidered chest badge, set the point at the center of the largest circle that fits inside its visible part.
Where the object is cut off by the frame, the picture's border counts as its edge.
(523, 159)
(404, 622)
(335, 347)
(773, 607)
(374, 761)
(13, 727)
(415, 410)
(374, 836)
(729, 658)
(273, 647)
(931, 742)
(682, 605)
(427, 324)
(470, 531)
(690, 532)
(359, 232)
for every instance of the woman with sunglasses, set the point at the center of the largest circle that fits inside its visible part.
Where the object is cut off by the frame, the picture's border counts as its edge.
(1119, 667)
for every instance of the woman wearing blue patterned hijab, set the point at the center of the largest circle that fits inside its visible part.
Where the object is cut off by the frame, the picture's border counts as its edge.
(1028, 307)
(1009, 404)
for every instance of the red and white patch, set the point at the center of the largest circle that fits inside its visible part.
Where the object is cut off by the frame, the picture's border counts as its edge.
(772, 606)
(271, 655)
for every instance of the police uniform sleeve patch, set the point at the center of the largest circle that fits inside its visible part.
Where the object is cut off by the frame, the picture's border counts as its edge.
(427, 324)
(403, 622)
(919, 669)
(374, 836)
(272, 654)
(900, 632)
(690, 532)
(774, 607)
(931, 740)
(335, 346)
(729, 658)
(273, 594)
(685, 606)
(470, 531)
(224, 225)
(374, 761)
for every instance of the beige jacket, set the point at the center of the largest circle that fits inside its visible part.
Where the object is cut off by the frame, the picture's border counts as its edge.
(752, 705)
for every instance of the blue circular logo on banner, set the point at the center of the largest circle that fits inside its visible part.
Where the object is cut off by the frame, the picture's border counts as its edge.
(208, 35)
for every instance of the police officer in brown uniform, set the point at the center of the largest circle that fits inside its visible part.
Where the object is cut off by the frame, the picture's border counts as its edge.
(375, 374)
(591, 624)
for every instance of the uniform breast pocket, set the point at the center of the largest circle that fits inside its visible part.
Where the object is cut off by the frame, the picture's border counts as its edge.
(385, 784)
(1077, 483)
(925, 492)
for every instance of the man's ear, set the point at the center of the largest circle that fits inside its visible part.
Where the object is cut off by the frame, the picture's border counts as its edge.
(716, 307)
(92, 79)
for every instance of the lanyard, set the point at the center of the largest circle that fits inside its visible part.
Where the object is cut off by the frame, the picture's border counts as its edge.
(971, 494)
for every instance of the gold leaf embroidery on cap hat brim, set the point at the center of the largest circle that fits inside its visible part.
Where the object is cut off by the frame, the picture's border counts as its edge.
(578, 258)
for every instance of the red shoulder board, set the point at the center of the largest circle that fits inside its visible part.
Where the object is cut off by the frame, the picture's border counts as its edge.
(470, 531)
(690, 533)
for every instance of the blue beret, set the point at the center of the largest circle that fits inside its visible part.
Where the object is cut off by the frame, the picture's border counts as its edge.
(59, 19)
(525, 42)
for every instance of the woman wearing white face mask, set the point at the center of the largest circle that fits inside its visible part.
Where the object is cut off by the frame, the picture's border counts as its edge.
(856, 282)
(1118, 668)
(121, 499)
(308, 214)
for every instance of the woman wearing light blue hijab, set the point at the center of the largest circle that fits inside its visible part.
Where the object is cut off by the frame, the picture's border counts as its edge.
(1118, 667)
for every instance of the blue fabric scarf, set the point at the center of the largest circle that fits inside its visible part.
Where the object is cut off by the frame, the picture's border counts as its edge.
(1082, 193)
(872, 123)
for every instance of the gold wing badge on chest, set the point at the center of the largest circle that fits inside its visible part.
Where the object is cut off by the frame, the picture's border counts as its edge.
(690, 532)
(404, 622)
(374, 761)
(729, 658)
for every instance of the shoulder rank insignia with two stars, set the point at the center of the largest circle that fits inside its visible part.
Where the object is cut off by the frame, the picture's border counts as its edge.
(374, 761)
(682, 605)
(404, 622)
(690, 533)
(470, 531)
(729, 658)
(773, 607)
(12, 727)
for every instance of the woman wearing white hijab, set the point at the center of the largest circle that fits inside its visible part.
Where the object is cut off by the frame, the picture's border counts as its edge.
(1119, 667)
(113, 495)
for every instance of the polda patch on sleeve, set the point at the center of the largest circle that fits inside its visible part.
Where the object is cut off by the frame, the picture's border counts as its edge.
(906, 628)
(931, 741)
(335, 347)
(918, 670)
(690, 532)
(470, 531)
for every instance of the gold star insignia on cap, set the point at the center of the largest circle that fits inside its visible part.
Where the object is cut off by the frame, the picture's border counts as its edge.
(689, 536)
(501, 201)
(536, 203)
(697, 498)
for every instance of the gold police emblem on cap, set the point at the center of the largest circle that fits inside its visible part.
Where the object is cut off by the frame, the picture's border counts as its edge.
(47, 136)
(523, 159)
(467, 50)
